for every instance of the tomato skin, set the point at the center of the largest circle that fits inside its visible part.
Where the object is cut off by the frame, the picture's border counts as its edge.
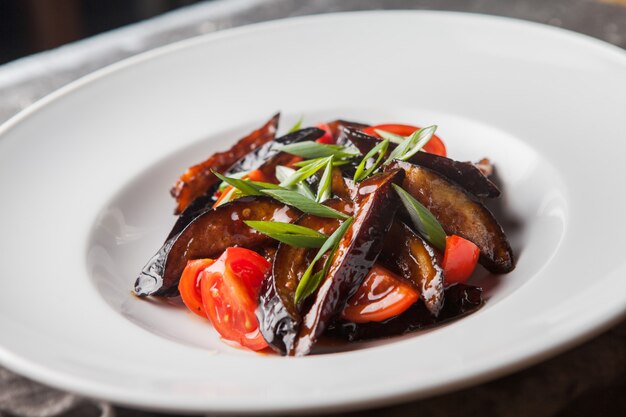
(459, 259)
(328, 136)
(382, 295)
(189, 285)
(230, 289)
(435, 144)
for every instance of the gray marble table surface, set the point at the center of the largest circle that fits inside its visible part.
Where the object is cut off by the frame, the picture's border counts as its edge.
(588, 380)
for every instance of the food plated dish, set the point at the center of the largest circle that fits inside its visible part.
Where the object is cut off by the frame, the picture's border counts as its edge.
(344, 230)
(495, 87)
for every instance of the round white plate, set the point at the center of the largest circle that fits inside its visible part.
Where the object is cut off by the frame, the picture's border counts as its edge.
(85, 175)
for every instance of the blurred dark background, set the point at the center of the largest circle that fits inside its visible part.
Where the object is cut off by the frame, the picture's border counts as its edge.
(29, 26)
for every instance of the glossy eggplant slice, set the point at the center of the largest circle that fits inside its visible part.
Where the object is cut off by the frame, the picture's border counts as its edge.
(465, 174)
(193, 210)
(207, 236)
(277, 314)
(407, 253)
(197, 180)
(337, 128)
(375, 207)
(459, 213)
(460, 300)
(340, 187)
(267, 157)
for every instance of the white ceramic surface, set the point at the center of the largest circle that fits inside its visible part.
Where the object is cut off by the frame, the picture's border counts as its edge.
(85, 175)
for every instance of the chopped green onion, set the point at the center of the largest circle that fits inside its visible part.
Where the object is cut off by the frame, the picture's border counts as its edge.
(305, 172)
(423, 220)
(283, 172)
(237, 175)
(381, 150)
(423, 136)
(324, 189)
(297, 126)
(311, 150)
(412, 145)
(260, 185)
(304, 204)
(248, 187)
(244, 186)
(291, 234)
(307, 162)
(309, 283)
(391, 136)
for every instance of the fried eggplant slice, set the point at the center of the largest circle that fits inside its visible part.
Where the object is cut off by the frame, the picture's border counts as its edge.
(460, 300)
(278, 316)
(193, 210)
(407, 253)
(375, 207)
(459, 213)
(197, 180)
(465, 174)
(207, 236)
(267, 157)
(337, 130)
(339, 186)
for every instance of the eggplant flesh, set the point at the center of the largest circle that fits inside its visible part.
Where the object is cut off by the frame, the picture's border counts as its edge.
(375, 207)
(198, 179)
(459, 213)
(460, 300)
(207, 236)
(340, 187)
(409, 255)
(277, 313)
(465, 174)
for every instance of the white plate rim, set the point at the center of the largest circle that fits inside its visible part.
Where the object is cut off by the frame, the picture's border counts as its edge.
(602, 319)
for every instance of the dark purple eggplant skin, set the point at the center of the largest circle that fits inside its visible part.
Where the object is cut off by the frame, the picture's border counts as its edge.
(464, 174)
(197, 207)
(267, 157)
(337, 128)
(198, 179)
(207, 236)
(277, 313)
(459, 301)
(375, 207)
(459, 213)
(407, 254)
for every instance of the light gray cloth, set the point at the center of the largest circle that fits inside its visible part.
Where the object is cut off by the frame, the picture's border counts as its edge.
(589, 380)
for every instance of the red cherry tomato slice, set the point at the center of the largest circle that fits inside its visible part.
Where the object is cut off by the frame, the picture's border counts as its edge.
(435, 144)
(382, 295)
(459, 259)
(189, 285)
(230, 290)
(328, 136)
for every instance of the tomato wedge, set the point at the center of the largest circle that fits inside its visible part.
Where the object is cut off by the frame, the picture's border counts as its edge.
(435, 144)
(459, 259)
(189, 285)
(328, 137)
(382, 295)
(230, 292)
